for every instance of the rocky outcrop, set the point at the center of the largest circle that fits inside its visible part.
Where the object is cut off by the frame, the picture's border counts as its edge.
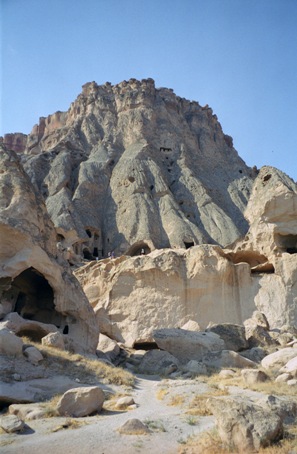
(169, 287)
(131, 167)
(35, 280)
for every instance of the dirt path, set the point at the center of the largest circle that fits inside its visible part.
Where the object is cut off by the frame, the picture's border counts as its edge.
(169, 424)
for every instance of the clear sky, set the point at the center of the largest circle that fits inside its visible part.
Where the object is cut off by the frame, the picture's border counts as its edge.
(238, 56)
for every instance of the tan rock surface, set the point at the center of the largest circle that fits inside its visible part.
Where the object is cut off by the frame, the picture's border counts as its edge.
(128, 167)
(35, 280)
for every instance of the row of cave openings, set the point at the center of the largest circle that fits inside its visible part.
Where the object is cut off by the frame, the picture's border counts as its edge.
(32, 297)
(92, 249)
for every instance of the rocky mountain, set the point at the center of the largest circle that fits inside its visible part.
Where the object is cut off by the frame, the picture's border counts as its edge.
(131, 167)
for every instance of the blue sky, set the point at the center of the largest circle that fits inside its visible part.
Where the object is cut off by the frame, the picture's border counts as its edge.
(238, 56)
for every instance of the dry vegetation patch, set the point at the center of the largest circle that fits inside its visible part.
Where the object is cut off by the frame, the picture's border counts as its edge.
(82, 368)
(199, 405)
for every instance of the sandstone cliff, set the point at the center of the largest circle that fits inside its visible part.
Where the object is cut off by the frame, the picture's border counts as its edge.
(35, 278)
(131, 166)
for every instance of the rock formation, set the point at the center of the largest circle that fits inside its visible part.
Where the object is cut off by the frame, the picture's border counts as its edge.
(166, 288)
(35, 279)
(131, 167)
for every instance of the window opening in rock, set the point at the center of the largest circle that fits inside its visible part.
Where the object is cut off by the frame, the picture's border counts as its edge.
(288, 243)
(60, 237)
(88, 232)
(131, 179)
(292, 250)
(189, 244)
(267, 177)
(165, 149)
(95, 252)
(87, 254)
(151, 187)
(66, 329)
(240, 171)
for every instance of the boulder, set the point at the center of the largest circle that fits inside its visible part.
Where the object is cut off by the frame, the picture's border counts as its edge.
(233, 335)
(278, 359)
(33, 354)
(255, 354)
(109, 347)
(254, 376)
(124, 402)
(245, 426)
(227, 373)
(157, 362)
(187, 345)
(11, 424)
(78, 402)
(191, 325)
(54, 340)
(283, 378)
(256, 335)
(10, 344)
(28, 411)
(283, 406)
(227, 358)
(290, 367)
(134, 427)
(195, 367)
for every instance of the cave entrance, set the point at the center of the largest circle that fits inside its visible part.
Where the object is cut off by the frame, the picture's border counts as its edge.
(140, 248)
(288, 243)
(87, 254)
(145, 346)
(189, 244)
(34, 298)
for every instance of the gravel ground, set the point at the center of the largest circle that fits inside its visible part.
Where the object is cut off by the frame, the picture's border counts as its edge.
(98, 434)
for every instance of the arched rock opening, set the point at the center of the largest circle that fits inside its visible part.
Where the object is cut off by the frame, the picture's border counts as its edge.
(139, 248)
(87, 254)
(258, 262)
(34, 298)
(189, 244)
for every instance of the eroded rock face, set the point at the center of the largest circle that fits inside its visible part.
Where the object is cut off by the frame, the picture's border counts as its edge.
(131, 167)
(132, 296)
(35, 280)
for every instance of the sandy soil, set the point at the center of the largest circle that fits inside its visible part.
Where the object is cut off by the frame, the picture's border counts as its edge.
(98, 434)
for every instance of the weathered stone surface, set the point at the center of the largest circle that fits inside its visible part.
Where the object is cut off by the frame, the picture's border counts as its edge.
(80, 402)
(244, 425)
(35, 279)
(278, 359)
(191, 325)
(133, 427)
(232, 335)
(144, 155)
(27, 411)
(227, 373)
(283, 378)
(196, 367)
(255, 354)
(124, 402)
(284, 407)
(187, 345)
(54, 340)
(157, 362)
(10, 344)
(256, 335)
(227, 358)
(32, 354)
(11, 423)
(35, 390)
(254, 376)
(290, 367)
(108, 346)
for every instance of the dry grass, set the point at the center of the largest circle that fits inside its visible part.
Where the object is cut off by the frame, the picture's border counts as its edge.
(80, 367)
(268, 387)
(161, 393)
(176, 400)
(69, 423)
(210, 442)
(199, 406)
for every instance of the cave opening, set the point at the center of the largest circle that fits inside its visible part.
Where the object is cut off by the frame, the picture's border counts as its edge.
(139, 248)
(87, 254)
(189, 244)
(288, 243)
(34, 300)
(145, 346)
